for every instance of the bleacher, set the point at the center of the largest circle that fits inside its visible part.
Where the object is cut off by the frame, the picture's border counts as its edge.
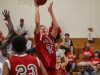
(79, 44)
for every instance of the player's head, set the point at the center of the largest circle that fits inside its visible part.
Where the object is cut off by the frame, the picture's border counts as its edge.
(21, 21)
(98, 66)
(96, 54)
(43, 30)
(18, 44)
(66, 36)
(58, 59)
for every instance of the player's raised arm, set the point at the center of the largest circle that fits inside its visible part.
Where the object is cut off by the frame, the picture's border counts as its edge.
(8, 38)
(55, 24)
(37, 17)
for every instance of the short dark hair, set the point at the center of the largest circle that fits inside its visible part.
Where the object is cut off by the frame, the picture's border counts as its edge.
(21, 20)
(67, 34)
(96, 52)
(18, 43)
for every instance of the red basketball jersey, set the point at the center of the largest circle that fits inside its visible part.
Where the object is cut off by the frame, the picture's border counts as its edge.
(95, 61)
(61, 71)
(24, 65)
(70, 58)
(46, 51)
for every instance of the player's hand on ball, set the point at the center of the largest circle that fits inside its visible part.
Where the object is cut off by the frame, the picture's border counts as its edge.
(50, 7)
(35, 3)
(6, 14)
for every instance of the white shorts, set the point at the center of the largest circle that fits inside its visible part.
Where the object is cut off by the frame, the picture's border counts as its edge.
(84, 63)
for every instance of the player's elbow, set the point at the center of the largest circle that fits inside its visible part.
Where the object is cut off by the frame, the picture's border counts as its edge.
(56, 27)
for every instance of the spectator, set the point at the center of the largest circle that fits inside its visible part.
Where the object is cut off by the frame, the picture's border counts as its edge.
(21, 29)
(1, 36)
(32, 50)
(59, 52)
(72, 59)
(97, 72)
(82, 71)
(58, 33)
(86, 54)
(60, 66)
(90, 37)
(9, 49)
(29, 43)
(66, 44)
(94, 61)
(44, 29)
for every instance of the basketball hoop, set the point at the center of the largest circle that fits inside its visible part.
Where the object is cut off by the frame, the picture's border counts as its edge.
(27, 2)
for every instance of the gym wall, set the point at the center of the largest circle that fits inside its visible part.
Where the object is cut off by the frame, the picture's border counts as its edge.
(73, 16)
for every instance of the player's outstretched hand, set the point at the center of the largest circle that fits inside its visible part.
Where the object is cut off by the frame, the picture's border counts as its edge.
(35, 3)
(6, 14)
(50, 7)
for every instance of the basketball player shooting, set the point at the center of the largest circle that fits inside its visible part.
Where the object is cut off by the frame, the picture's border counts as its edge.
(5, 43)
(45, 43)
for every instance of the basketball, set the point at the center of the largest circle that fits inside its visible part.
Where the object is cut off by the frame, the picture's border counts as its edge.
(41, 2)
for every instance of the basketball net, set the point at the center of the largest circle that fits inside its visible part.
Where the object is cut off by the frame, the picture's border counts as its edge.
(27, 2)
